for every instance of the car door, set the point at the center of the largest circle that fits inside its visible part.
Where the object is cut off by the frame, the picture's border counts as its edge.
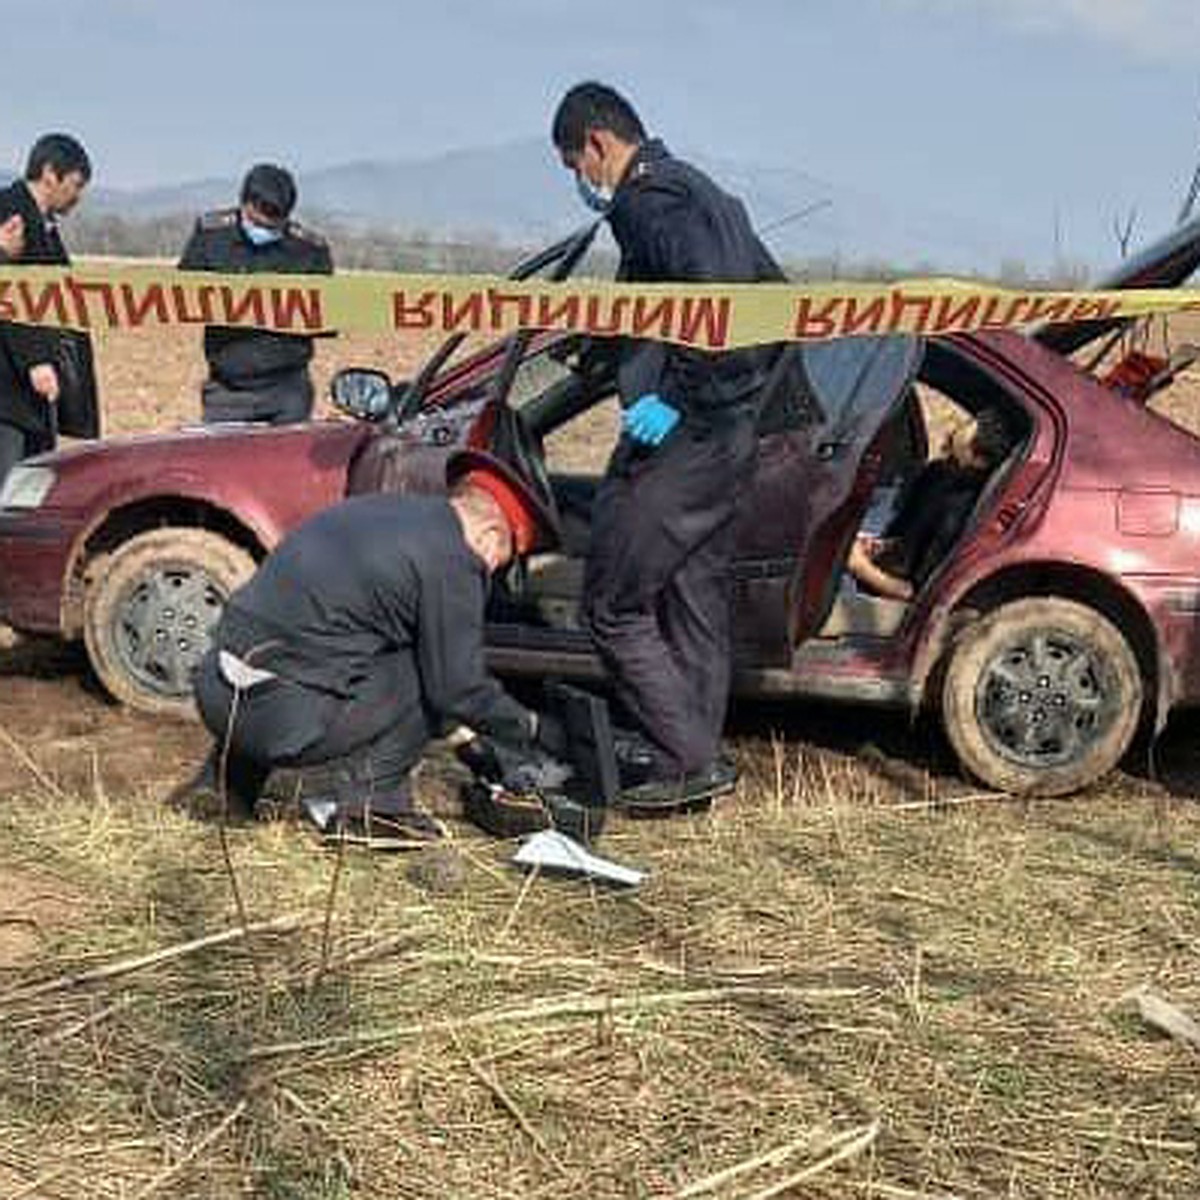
(822, 408)
(855, 386)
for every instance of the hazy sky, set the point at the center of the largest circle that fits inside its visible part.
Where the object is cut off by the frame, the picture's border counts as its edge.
(1037, 115)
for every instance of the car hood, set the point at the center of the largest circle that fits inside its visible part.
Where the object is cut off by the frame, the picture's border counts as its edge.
(202, 439)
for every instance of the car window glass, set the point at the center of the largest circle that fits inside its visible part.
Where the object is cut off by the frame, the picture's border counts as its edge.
(852, 379)
(536, 373)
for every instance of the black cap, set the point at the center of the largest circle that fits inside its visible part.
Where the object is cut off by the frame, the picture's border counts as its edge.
(271, 189)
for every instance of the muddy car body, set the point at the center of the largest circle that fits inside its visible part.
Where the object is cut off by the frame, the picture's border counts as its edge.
(1062, 620)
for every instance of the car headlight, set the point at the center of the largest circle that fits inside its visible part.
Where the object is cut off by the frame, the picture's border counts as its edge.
(26, 487)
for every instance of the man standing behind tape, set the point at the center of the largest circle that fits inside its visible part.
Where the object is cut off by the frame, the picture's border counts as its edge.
(47, 377)
(659, 575)
(254, 374)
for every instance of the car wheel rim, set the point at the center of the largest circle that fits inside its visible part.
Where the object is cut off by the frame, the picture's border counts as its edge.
(1046, 698)
(162, 626)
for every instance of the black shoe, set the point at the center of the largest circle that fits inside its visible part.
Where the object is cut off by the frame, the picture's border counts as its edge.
(201, 798)
(681, 793)
(637, 760)
(508, 815)
(394, 829)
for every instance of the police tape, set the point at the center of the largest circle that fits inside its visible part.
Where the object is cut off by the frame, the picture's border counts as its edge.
(704, 316)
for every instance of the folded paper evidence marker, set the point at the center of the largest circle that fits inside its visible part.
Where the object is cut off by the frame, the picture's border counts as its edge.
(554, 851)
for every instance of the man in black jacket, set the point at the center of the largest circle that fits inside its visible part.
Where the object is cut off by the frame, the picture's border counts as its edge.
(361, 638)
(659, 572)
(47, 381)
(257, 375)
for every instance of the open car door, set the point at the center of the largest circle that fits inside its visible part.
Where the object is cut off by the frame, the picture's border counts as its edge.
(854, 386)
(458, 402)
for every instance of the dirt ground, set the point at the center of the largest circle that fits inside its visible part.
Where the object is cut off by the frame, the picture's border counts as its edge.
(860, 955)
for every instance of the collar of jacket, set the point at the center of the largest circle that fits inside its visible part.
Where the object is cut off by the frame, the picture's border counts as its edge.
(651, 151)
(32, 210)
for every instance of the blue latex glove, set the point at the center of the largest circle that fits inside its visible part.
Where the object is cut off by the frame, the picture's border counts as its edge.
(649, 419)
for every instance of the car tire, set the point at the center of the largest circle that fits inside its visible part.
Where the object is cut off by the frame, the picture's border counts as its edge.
(1041, 697)
(148, 614)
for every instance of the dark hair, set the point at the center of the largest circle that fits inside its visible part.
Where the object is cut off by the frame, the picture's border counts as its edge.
(61, 153)
(270, 189)
(593, 106)
(993, 437)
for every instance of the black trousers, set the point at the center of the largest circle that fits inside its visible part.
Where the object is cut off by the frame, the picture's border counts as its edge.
(658, 588)
(370, 740)
(286, 400)
(17, 444)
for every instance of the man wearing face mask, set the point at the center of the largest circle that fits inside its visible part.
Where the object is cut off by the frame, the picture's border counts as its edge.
(47, 378)
(659, 574)
(254, 374)
(360, 638)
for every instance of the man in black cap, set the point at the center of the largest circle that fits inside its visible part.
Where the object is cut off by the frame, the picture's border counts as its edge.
(361, 638)
(659, 582)
(254, 374)
(47, 379)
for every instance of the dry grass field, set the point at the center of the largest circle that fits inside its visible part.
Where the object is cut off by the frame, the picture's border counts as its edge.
(859, 976)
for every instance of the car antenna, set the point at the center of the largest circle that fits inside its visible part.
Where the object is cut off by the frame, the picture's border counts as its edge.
(798, 215)
(1189, 201)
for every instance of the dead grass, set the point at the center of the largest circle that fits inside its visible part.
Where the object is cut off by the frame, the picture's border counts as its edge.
(813, 956)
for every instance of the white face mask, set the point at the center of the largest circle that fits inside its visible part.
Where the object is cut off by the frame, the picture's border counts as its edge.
(598, 199)
(260, 235)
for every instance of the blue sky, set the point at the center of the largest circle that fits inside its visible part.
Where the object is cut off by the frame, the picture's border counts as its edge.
(1052, 118)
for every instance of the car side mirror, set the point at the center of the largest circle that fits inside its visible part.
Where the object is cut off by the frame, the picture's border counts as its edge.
(362, 393)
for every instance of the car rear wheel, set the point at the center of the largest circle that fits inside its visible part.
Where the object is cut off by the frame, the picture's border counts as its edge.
(149, 613)
(1042, 697)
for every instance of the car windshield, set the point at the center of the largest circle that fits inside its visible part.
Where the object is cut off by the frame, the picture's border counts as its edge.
(555, 263)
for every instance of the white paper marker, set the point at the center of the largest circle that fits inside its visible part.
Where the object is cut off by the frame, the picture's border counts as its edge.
(555, 851)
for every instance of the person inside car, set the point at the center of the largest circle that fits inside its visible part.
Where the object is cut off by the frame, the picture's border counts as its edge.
(932, 510)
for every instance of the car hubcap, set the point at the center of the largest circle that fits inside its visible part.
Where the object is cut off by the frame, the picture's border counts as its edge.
(162, 626)
(1045, 699)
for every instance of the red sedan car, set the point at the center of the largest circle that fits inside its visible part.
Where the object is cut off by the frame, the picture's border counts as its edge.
(1061, 619)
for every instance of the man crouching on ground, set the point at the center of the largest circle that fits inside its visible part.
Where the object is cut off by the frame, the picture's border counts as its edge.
(359, 639)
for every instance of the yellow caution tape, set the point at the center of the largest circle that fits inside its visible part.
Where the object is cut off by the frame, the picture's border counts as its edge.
(704, 316)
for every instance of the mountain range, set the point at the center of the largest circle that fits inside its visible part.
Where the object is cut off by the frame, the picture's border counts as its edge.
(518, 194)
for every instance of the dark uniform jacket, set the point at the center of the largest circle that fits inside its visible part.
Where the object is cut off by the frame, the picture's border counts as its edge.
(672, 223)
(245, 359)
(26, 346)
(373, 576)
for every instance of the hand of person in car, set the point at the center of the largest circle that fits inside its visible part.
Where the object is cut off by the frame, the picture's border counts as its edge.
(44, 380)
(649, 419)
(861, 564)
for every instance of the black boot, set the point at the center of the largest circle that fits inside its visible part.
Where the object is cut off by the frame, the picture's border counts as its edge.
(203, 797)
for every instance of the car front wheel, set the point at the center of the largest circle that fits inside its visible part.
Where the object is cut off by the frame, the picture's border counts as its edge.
(1042, 697)
(149, 613)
